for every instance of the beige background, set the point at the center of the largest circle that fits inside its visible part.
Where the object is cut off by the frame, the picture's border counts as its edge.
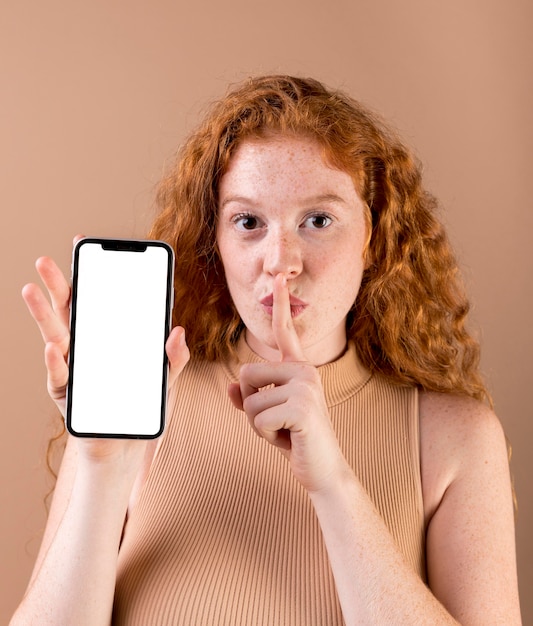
(95, 96)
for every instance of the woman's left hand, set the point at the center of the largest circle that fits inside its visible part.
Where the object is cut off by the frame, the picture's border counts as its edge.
(285, 403)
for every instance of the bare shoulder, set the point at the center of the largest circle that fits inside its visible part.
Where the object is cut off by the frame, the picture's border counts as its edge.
(448, 412)
(468, 509)
(458, 436)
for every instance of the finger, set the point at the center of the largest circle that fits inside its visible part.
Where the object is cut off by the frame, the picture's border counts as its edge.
(264, 415)
(270, 424)
(257, 376)
(177, 352)
(57, 285)
(234, 393)
(282, 323)
(52, 329)
(57, 369)
(265, 399)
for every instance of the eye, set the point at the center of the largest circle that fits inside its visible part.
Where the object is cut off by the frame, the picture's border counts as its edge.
(246, 221)
(317, 221)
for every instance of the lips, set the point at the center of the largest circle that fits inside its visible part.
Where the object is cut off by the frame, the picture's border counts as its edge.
(297, 305)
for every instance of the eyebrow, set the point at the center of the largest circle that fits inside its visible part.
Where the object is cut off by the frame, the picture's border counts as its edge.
(325, 197)
(242, 199)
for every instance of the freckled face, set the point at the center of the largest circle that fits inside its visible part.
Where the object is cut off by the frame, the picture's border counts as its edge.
(283, 209)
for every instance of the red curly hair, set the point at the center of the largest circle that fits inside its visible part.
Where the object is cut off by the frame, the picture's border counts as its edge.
(408, 321)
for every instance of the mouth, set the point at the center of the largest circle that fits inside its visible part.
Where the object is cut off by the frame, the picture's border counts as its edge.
(297, 305)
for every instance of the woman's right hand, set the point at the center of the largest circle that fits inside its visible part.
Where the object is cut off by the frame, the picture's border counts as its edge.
(95, 485)
(52, 317)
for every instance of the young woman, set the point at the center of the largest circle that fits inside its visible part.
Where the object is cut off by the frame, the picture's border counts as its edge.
(328, 457)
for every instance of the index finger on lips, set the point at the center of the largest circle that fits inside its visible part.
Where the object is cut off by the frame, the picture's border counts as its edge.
(282, 323)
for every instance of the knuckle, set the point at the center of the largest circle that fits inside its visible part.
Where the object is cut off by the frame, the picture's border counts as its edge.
(248, 406)
(247, 370)
(261, 423)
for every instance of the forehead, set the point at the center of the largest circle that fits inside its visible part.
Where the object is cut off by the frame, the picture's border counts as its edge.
(290, 146)
(286, 176)
(290, 161)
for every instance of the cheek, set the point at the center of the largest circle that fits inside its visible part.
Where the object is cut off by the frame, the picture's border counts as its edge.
(239, 276)
(342, 279)
(228, 258)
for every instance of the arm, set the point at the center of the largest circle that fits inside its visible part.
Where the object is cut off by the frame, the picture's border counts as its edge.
(374, 583)
(470, 540)
(73, 580)
(470, 548)
(74, 577)
(471, 552)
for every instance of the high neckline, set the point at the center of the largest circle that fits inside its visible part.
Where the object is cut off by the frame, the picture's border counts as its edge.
(341, 378)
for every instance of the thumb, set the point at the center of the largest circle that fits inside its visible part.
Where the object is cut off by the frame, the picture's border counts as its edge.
(177, 352)
(235, 395)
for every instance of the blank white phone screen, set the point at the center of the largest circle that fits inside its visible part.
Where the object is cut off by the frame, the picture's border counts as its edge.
(118, 359)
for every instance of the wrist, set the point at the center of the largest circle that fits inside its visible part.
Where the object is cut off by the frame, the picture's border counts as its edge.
(336, 484)
(115, 460)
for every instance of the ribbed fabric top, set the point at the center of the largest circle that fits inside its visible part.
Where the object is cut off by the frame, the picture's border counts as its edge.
(224, 535)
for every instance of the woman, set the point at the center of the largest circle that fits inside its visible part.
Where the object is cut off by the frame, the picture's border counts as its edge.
(369, 483)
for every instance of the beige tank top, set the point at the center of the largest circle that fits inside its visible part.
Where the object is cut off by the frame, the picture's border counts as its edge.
(222, 533)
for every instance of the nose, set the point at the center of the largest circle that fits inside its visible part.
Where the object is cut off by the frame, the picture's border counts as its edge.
(283, 254)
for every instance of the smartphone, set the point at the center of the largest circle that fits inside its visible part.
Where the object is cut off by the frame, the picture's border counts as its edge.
(120, 318)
